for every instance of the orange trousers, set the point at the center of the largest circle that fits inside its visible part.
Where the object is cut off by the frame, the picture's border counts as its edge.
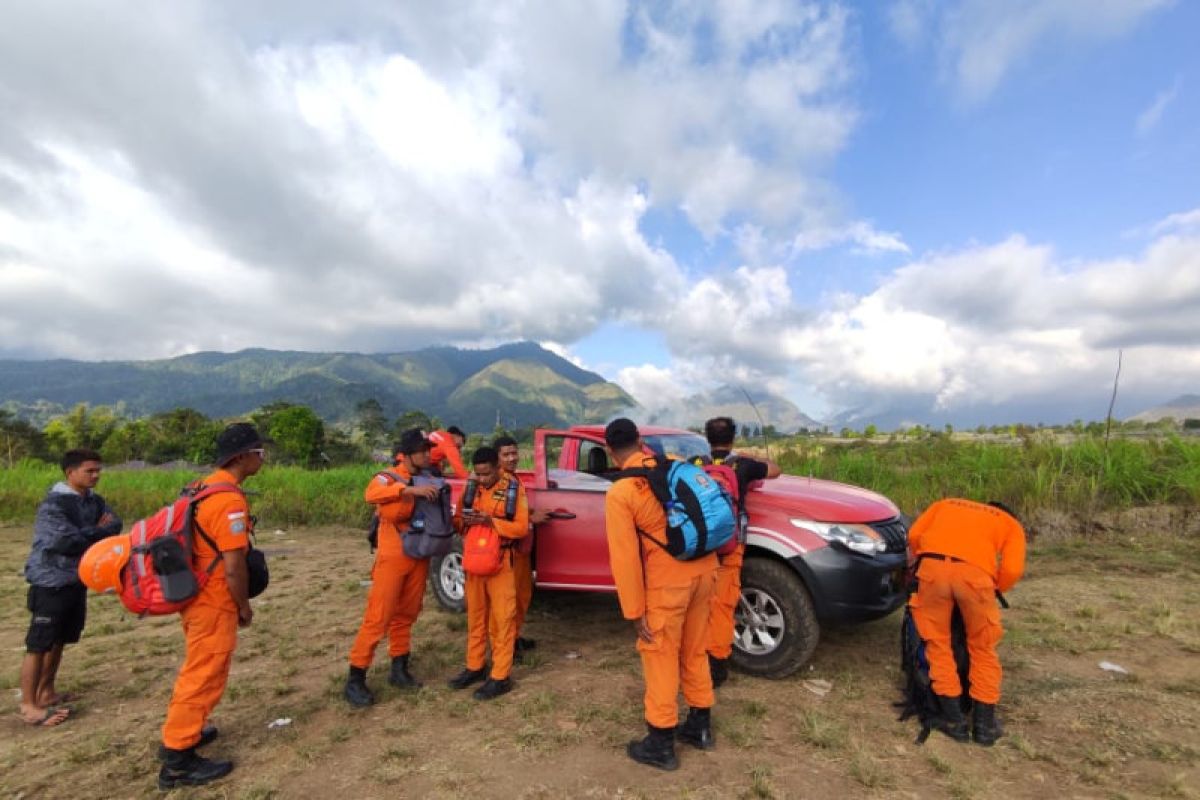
(943, 585)
(523, 574)
(210, 632)
(678, 618)
(724, 604)
(393, 604)
(492, 615)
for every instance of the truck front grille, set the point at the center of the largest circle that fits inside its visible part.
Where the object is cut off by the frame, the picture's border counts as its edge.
(894, 532)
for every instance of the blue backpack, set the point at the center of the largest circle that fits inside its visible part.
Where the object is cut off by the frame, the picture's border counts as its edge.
(701, 515)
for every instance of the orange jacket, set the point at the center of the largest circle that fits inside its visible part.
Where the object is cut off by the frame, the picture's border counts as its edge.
(490, 501)
(638, 564)
(385, 492)
(977, 533)
(444, 449)
(225, 517)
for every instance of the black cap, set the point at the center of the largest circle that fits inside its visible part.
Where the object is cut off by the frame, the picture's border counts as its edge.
(620, 433)
(236, 439)
(412, 441)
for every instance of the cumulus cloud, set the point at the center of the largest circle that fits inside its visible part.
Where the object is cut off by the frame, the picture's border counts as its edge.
(389, 176)
(979, 42)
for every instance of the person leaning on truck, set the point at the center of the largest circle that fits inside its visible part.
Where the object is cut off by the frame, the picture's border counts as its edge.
(397, 580)
(510, 459)
(668, 601)
(446, 445)
(720, 433)
(70, 519)
(965, 552)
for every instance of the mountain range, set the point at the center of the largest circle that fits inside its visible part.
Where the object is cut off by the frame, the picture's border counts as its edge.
(519, 384)
(734, 401)
(1184, 407)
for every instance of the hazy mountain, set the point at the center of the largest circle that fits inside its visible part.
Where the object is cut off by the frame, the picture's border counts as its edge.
(730, 401)
(522, 383)
(1185, 406)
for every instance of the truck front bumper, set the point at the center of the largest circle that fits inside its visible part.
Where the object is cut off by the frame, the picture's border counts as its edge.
(849, 587)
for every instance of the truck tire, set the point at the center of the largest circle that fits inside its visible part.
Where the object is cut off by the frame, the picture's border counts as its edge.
(447, 579)
(775, 626)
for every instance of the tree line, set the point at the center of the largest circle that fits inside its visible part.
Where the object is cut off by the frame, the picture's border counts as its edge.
(184, 434)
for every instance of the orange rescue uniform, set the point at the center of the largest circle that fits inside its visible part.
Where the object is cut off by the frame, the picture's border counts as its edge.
(672, 595)
(210, 622)
(444, 449)
(983, 551)
(523, 571)
(492, 599)
(397, 581)
(725, 597)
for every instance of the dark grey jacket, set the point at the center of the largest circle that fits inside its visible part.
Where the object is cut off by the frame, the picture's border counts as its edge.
(65, 527)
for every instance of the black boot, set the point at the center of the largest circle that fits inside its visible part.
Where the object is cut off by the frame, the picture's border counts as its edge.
(718, 668)
(696, 730)
(952, 722)
(985, 728)
(356, 692)
(493, 688)
(400, 676)
(656, 750)
(524, 644)
(465, 678)
(207, 734)
(185, 768)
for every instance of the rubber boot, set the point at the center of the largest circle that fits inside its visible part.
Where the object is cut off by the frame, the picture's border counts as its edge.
(207, 734)
(696, 730)
(185, 768)
(493, 688)
(718, 668)
(985, 728)
(465, 678)
(356, 692)
(656, 750)
(952, 722)
(400, 676)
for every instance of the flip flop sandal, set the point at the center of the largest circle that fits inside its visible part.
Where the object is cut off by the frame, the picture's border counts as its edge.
(62, 715)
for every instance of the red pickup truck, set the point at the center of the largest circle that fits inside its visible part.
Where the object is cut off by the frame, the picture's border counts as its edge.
(818, 552)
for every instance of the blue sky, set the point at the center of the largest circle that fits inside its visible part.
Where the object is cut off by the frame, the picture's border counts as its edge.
(903, 211)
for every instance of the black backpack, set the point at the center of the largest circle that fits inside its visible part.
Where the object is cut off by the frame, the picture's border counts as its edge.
(918, 699)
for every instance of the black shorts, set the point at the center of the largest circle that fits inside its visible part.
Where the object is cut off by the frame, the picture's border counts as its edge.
(58, 616)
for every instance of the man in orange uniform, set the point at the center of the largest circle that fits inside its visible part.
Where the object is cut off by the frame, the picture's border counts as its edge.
(397, 581)
(211, 621)
(720, 433)
(492, 599)
(510, 459)
(965, 553)
(446, 446)
(668, 601)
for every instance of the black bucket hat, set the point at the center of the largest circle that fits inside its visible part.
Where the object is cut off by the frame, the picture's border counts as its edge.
(238, 438)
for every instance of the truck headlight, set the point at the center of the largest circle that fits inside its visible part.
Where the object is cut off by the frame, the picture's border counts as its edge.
(859, 538)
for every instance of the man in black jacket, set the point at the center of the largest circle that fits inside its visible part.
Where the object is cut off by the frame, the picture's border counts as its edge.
(70, 519)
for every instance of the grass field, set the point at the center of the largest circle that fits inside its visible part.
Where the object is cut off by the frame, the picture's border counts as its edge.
(1073, 730)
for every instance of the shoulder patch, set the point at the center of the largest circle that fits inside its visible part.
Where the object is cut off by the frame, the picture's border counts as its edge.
(238, 527)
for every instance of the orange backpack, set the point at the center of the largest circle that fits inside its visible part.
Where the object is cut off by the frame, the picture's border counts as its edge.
(481, 551)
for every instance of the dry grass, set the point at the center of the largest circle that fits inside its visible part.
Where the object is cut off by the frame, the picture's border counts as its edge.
(1073, 729)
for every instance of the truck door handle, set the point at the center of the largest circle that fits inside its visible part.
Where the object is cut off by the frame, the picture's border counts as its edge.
(561, 513)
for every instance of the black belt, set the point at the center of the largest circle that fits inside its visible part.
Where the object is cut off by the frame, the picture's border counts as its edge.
(940, 557)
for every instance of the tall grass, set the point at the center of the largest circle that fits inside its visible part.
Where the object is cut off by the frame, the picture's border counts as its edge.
(1030, 474)
(1033, 473)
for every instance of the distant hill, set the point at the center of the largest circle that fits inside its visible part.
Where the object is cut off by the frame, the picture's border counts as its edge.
(522, 384)
(729, 401)
(1185, 406)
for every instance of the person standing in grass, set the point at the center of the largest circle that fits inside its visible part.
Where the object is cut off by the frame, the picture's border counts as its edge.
(668, 602)
(510, 459)
(211, 621)
(70, 519)
(720, 434)
(965, 552)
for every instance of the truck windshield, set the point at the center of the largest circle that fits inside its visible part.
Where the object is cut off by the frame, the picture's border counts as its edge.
(685, 446)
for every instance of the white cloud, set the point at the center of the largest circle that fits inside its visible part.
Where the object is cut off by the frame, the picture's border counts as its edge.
(862, 235)
(1148, 120)
(979, 42)
(389, 176)
(1182, 221)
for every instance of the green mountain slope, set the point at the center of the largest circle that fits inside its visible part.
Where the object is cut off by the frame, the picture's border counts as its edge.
(522, 383)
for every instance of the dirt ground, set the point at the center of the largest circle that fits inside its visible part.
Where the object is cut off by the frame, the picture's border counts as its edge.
(1073, 729)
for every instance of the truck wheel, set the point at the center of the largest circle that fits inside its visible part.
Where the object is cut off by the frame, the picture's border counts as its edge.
(447, 579)
(775, 627)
